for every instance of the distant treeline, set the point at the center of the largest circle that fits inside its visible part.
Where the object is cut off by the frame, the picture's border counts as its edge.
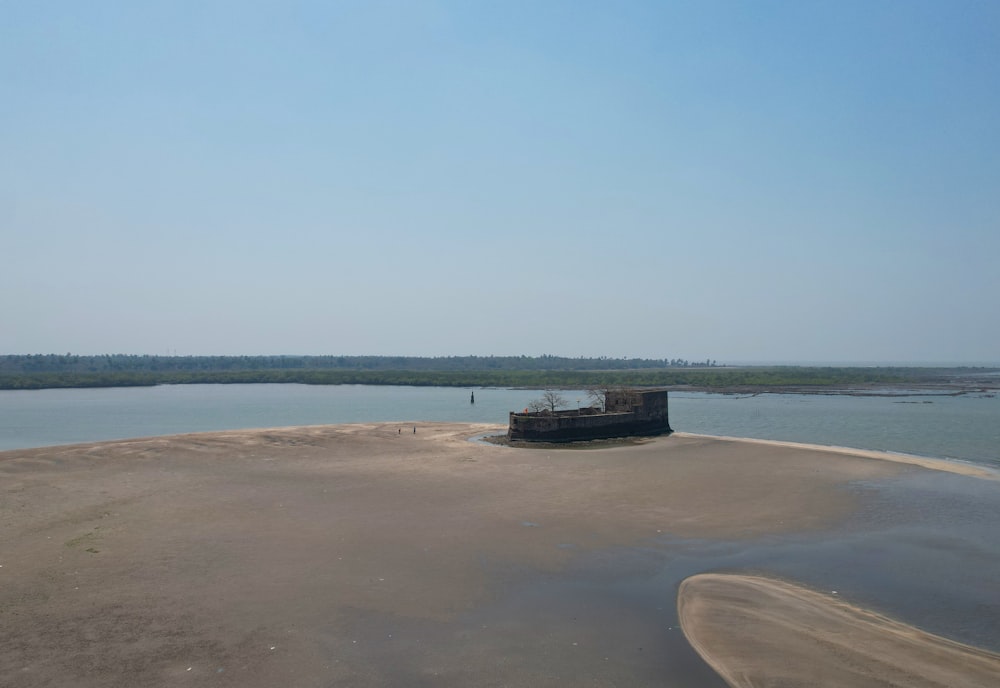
(118, 363)
(50, 371)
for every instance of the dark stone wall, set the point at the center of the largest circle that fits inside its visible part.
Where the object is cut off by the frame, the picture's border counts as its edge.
(629, 413)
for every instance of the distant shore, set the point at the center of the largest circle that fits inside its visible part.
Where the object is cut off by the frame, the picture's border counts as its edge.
(401, 553)
(45, 372)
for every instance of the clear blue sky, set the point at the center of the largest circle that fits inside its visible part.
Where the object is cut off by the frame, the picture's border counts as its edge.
(742, 181)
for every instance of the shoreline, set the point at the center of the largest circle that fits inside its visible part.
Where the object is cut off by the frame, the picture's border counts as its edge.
(850, 380)
(967, 468)
(480, 432)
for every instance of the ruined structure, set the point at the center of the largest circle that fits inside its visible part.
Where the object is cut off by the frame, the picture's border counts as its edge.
(626, 413)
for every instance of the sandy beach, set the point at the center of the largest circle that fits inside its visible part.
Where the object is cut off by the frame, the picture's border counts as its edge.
(373, 555)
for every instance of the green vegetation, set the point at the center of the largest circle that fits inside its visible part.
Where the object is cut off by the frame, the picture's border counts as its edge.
(117, 363)
(51, 371)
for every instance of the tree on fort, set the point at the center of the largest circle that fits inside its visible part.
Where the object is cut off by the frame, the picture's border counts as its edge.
(599, 396)
(550, 401)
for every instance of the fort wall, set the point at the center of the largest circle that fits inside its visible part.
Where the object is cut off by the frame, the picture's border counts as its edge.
(627, 413)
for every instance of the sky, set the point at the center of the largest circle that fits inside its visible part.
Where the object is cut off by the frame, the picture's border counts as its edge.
(740, 181)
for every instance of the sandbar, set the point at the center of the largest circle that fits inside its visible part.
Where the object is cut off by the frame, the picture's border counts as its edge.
(383, 554)
(949, 466)
(762, 632)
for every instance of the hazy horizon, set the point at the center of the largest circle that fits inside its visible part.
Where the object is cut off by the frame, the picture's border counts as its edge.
(725, 180)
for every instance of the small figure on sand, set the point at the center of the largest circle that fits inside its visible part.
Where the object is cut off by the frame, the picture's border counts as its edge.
(414, 429)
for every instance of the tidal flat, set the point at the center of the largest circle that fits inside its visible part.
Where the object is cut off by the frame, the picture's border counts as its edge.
(373, 555)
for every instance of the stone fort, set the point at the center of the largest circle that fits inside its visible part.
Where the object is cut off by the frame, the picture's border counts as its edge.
(627, 412)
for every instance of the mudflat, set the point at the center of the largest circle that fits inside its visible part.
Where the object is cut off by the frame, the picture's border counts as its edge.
(374, 555)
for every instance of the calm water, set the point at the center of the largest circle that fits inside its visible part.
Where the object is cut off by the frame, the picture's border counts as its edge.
(965, 427)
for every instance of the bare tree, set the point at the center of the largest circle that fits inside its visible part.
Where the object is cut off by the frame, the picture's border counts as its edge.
(536, 406)
(552, 399)
(599, 397)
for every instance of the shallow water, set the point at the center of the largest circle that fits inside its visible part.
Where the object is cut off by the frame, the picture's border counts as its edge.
(963, 427)
(923, 550)
(63, 416)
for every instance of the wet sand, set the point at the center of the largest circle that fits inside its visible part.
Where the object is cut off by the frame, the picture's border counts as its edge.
(760, 632)
(371, 555)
